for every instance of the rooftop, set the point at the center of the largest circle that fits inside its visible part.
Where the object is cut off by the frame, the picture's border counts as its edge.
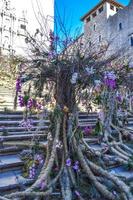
(115, 3)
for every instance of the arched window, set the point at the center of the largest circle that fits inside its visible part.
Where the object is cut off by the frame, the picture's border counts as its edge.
(131, 39)
(100, 38)
(120, 26)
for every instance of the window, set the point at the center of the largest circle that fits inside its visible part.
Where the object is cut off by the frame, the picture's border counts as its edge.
(111, 7)
(88, 19)
(6, 36)
(100, 38)
(120, 26)
(89, 43)
(22, 26)
(117, 9)
(94, 14)
(100, 9)
(94, 27)
(131, 39)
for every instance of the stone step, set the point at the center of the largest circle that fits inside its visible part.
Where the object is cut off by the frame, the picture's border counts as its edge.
(96, 147)
(26, 132)
(18, 122)
(86, 113)
(13, 180)
(22, 137)
(10, 162)
(87, 120)
(11, 112)
(92, 140)
(22, 144)
(15, 117)
(13, 129)
(122, 172)
(83, 125)
(88, 116)
(9, 150)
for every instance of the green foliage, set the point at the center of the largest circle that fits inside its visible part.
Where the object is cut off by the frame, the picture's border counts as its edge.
(57, 113)
(129, 165)
(98, 128)
(26, 98)
(98, 100)
(79, 134)
(35, 147)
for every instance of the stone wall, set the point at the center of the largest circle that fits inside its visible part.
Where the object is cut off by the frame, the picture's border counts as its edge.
(114, 28)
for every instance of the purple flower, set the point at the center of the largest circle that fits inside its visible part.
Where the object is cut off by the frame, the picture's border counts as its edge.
(39, 158)
(119, 98)
(42, 185)
(31, 103)
(18, 85)
(77, 193)
(21, 101)
(110, 83)
(110, 80)
(88, 130)
(68, 162)
(76, 166)
(39, 106)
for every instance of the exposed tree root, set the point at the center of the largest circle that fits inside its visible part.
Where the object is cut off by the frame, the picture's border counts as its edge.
(29, 194)
(65, 185)
(101, 188)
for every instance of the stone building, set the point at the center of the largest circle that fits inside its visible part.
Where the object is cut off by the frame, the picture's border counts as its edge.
(16, 19)
(11, 28)
(110, 23)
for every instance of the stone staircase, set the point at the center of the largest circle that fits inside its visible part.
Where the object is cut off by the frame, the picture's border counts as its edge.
(15, 138)
(6, 98)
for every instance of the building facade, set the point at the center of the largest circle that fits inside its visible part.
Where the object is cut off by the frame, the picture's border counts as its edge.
(19, 18)
(110, 23)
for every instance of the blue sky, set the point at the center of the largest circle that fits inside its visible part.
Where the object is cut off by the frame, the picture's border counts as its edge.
(74, 9)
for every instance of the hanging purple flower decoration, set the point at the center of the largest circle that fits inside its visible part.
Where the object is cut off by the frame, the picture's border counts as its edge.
(32, 172)
(21, 101)
(76, 166)
(68, 162)
(31, 103)
(18, 85)
(39, 106)
(110, 80)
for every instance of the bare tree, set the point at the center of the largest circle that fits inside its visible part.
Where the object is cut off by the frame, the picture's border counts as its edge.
(72, 77)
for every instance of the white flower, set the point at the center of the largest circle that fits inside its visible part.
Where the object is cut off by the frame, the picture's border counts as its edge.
(97, 82)
(90, 70)
(74, 78)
